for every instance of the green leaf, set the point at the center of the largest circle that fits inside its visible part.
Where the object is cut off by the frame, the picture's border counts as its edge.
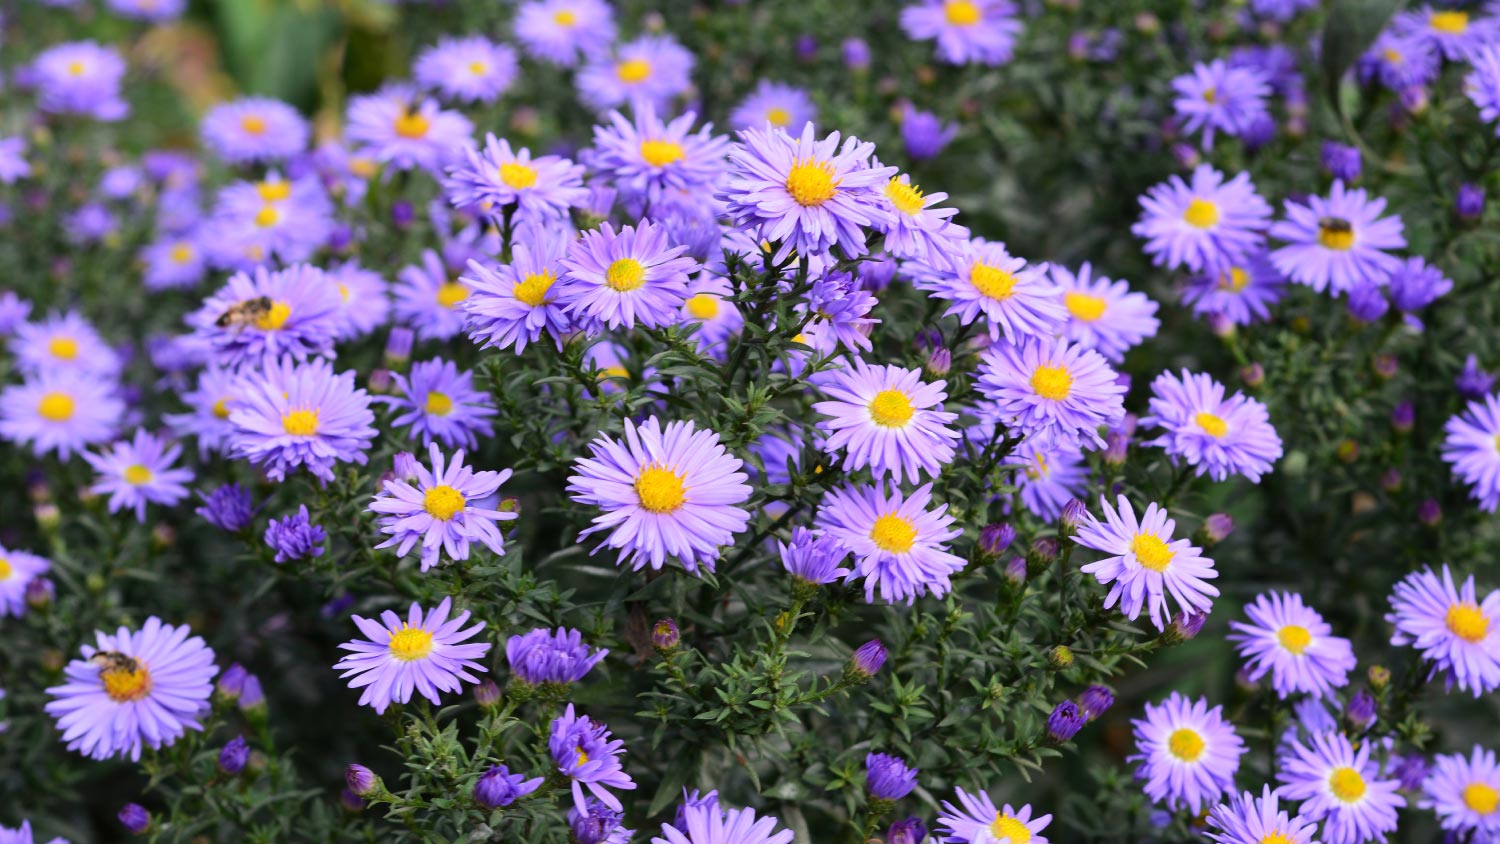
(1351, 28)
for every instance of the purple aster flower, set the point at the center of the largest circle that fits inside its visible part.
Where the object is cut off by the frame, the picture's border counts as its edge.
(1417, 284)
(782, 106)
(1095, 701)
(1214, 435)
(466, 70)
(966, 31)
(148, 10)
(976, 819)
(512, 304)
(541, 189)
(1102, 314)
(647, 158)
(438, 403)
(301, 415)
(1243, 293)
(907, 831)
(91, 224)
(598, 824)
(814, 557)
(1455, 34)
(498, 787)
(1473, 382)
(924, 133)
(208, 417)
(1208, 225)
(17, 570)
(13, 164)
(61, 411)
(710, 824)
(234, 756)
(1400, 62)
(1342, 161)
(584, 753)
(1048, 477)
(1455, 630)
(363, 303)
(442, 510)
(1291, 641)
(694, 801)
(1065, 721)
(1188, 753)
(804, 194)
(139, 471)
(254, 130)
(426, 653)
(1247, 819)
(552, 656)
(80, 78)
(260, 316)
(1470, 447)
(837, 311)
(1146, 565)
(915, 228)
(1053, 391)
(1410, 770)
(136, 689)
(887, 419)
(559, 31)
(620, 279)
(888, 777)
(1219, 97)
(174, 261)
(1338, 242)
(1465, 793)
(65, 342)
(1018, 300)
(228, 508)
(1281, 10)
(651, 69)
(900, 547)
(1483, 84)
(429, 299)
(1340, 787)
(256, 222)
(13, 312)
(672, 491)
(1367, 304)
(295, 537)
(400, 127)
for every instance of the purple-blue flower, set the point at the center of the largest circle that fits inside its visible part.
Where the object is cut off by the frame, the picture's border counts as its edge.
(443, 509)
(552, 656)
(295, 537)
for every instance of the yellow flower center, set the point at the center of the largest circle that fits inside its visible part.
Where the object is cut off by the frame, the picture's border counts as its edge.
(441, 502)
(533, 288)
(1346, 784)
(1213, 425)
(1210, 95)
(583, 758)
(894, 533)
(182, 252)
(439, 404)
(274, 191)
(125, 686)
(1295, 638)
(517, 176)
(703, 306)
(274, 318)
(5, 569)
(661, 153)
(566, 17)
(267, 216)
(993, 282)
(1201, 214)
(1393, 56)
(1336, 234)
(63, 348)
(1481, 797)
(625, 275)
(56, 407)
(1037, 468)
(1052, 382)
(136, 474)
(410, 643)
(962, 12)
(905, 196)
(362, 167)
(1007, 830)
(300, 423)
(221, 408)
(450, 293)
(1151, 552)
(1185, 744)
(76, 68)
(1467, 622)
(1277, 837)
(891, 409)
(1235, 280)
(412, 125)
(1085, 306)
(478, 68)
(778, 116)
(633, 71)
(660, 489)
(811, 183)
(1451, 23)
(253, 124)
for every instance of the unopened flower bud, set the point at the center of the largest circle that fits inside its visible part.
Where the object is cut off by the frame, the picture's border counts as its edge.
(1095, 701)
(1217, 528)
(1404, 417)
(1015, 570)
(1469, 205)
(1253, 375)
(664, 635)
(1360, 712)
(135, 818)
(40, 592)
(1060, 657)
(868, 659)
(234, 755)
(1430, 513)
(939, 363)
(361, 780)
(1072, 513)
(1390, 480)
(487, 694)
(1385, 365)
(1347, 451)
(1379, 677)
(1065, 721)
(909, 831)
(994, 539)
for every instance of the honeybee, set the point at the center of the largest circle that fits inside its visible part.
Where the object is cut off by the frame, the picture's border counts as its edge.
(246, 313)
(1335, 224)
(114, 661)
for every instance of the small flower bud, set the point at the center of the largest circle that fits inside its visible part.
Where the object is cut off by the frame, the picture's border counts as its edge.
(1015, 570)
(1072, 514)
(1217, 528)
(135, 818)
(1403, 417)
(994, 539)
(380, 381)
(868, 659)
(1429, 513)
(234, 755)
(1065, 721)
(487, 694)
(1059, 657)
(1360, 712)
(1469, 204)
(664, 635)
(1385, 366)
(1390, 480)
(402, 214)
(1379, 677)
(939, 363)
(1253, 375)
(856, 54)
(398, 347)
(909, 831)
(40, 592)
(1095, 701)
(499, 787)
(1043, 551)
(1116, 446)
(1411, 771)
(361, 780)
(1347, 451)
(1183, 628)
(232, 682)
(1221, 325)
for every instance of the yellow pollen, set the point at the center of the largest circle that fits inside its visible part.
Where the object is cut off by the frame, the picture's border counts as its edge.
(1085, 306)
(274, 191)
(1201, 214)
(63, 348)
(275, 318)
(1151, 552)
(253, 124)
(905, 196)
(633, 71)
(533, 288)
(891, 409)
(76, 68)
(1052, 382)
(1277, 837)
(442, 502)
(267, 216)
(438, 404)
(181, 252)
(778, 116)
(517, 176)
(410, 643)
(343, 292)
(811, 182)
(221, 408)
(661, 153)
(1295, 638)
(1007, 830)
(962, 12)
(1235, 280)
(894, 533)
(1481, 797)
(450, 293)
(1392, 56)
(136, 474)
(5, 570)
(125, 686)
(412, 125)
(362, 167)
(1210, 95)
(300, 423)
(703, 306)
(1346, 784)
(583, 758)
(1213, 425)
(1336, 234)
(1467, 622)
(566, 17)
(1038, 468)
(625, 275)
(1451, 23)
(1185, 744)
(478, 68)
(660, 489)
(56, 407)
